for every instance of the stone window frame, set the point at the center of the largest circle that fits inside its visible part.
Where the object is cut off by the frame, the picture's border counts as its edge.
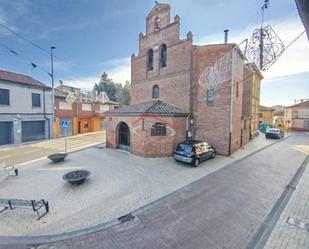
(158, 129)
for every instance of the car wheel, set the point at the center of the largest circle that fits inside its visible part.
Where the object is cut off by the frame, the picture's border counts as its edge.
(196, 162)
(213, 155)
(266, 136)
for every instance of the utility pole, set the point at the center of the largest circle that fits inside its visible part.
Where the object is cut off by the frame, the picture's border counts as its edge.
(52, 77)
(265, 6)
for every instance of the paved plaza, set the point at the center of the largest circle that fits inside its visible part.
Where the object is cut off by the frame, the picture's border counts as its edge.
(227, 207)
(22, 153)
(119, 183)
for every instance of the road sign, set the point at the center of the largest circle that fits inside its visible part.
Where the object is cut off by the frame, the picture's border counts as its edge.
(64, 124)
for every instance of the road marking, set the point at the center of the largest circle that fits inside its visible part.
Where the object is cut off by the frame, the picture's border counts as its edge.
(4, 157)
(31, 151)
(32, 161)
(76, 148)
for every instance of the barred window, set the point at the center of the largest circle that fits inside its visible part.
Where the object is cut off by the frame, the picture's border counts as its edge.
(210, 96)
(158, 129)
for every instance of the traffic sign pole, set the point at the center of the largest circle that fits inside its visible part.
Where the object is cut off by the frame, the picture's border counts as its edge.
(65, 140)
(64, 125)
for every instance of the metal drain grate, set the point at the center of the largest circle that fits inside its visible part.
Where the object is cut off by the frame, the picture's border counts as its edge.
(298, 223)
(126, 218)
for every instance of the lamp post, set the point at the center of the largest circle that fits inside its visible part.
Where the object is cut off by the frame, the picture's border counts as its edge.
(52, 77)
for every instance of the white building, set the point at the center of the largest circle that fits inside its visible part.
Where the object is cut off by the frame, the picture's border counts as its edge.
(26, 109)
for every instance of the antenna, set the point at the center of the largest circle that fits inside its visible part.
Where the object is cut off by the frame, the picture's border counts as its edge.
(264, 7)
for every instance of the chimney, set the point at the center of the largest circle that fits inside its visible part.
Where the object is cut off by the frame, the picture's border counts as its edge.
(226, 36)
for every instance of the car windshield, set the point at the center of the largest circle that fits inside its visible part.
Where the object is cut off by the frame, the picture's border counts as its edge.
(186, 148)
(274, 130)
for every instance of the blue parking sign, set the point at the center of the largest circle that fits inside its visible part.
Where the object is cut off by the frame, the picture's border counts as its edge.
(64, 124)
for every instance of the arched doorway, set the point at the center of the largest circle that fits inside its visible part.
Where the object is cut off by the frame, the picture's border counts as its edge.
(123, 136)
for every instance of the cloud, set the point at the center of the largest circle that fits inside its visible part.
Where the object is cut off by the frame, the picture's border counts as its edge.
(85, 83)
(119, 70)
(294, 60)
(3, 20)
(10, 11)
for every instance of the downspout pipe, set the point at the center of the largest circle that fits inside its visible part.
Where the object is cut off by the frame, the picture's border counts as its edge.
(44, 110)
(232, 100)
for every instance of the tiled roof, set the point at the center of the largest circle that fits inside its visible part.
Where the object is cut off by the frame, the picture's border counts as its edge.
(110, 102)
(20, 79)
(60, 94)
(303, 103)
(150, 107)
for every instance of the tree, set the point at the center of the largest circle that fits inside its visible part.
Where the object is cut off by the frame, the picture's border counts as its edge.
(115, 91)
(123, 96)
(107, 85)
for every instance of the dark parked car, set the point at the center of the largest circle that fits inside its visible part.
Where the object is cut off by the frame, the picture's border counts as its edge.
(194, 152)
(274, 133)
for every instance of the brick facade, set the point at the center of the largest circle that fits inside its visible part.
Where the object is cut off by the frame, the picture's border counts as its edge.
(251, 98)
(82, 120)
(217, 67)
(174, 79)
(142, 143)
(190, 74)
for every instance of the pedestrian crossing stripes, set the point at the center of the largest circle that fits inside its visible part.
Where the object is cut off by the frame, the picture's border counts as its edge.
(58, 144)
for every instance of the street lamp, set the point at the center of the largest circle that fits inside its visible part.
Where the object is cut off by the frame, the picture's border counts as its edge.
(52, 77)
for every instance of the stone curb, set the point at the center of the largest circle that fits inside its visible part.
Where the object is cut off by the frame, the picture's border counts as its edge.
(47, 239)
(260, 238)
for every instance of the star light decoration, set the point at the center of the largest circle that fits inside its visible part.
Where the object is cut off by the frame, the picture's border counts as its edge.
(92, 97)
(265, 50)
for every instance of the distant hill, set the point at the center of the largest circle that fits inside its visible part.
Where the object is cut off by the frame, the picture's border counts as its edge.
(278, 108)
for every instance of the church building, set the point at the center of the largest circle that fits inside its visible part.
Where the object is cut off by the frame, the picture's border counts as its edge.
(179, 91)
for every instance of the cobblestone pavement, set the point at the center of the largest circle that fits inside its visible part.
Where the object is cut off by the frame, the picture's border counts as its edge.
(222, 210)
(14, 155)
(292, 229)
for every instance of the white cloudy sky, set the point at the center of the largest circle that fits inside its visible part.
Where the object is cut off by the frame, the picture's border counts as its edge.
(96, 36)
(293, 61)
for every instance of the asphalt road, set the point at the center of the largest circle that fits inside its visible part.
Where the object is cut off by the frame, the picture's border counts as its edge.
(222, 210)
(14, 155)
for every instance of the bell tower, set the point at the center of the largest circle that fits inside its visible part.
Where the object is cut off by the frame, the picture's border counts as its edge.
(158, 17)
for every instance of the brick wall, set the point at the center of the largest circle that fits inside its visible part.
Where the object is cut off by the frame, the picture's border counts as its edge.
(174, 79)
(237, 100)
(212, 121)
(142, 143)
